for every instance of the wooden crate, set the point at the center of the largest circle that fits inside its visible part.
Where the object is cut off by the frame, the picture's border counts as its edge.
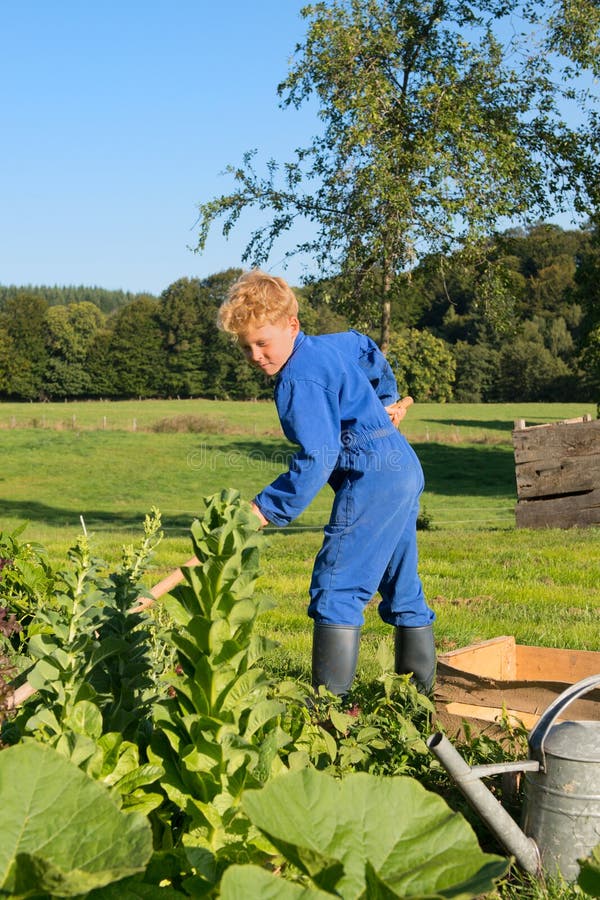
(557, 470)
(482, 682)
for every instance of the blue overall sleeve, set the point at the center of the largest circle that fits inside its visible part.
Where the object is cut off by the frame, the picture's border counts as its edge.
(310, 417)
(377, 369)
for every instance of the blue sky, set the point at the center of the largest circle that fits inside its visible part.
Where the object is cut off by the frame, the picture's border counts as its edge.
(119, 117)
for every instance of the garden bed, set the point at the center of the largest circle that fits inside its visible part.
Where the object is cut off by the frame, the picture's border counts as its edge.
(482, 682)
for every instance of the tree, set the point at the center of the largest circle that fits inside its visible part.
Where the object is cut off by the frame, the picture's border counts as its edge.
(476, 372)
(423, 364)
(590, 364)
(70, 333)
(22, 331)
(438, 119)
(528, 371)
(130, 361)
(588, 294)
(8, 362)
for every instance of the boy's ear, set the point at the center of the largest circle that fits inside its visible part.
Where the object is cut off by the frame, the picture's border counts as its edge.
(295, 324)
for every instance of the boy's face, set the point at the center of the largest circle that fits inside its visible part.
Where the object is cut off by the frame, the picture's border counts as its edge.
(270, 346)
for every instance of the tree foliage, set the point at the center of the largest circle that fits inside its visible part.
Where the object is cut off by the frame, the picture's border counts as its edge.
(423, 364)
(439, 119)
(522, 325)
(105, 300)
(23, 360)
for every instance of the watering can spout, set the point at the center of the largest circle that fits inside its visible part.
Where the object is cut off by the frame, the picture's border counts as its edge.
(500, 823)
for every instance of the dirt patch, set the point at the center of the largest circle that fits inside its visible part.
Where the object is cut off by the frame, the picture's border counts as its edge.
(460, 601)
(190, 425)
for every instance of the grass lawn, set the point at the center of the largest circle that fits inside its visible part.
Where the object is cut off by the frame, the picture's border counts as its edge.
(106, 464)
(102, 466)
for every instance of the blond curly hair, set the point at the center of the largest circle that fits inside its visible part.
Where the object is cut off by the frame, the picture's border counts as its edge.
(254, 300)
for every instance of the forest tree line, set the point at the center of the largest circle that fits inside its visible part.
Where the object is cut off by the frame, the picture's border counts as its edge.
(522, 326)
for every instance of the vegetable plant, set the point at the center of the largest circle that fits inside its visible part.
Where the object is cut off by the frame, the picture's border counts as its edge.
(214, 776)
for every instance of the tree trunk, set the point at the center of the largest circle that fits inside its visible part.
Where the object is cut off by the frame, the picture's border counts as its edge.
(386, 310)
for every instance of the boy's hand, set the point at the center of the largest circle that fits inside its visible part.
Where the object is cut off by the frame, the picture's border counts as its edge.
(258, 513)
(397, 411)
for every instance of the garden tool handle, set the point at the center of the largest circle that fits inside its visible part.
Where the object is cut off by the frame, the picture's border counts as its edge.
(546, 720)
(26, 690)
(163, 587)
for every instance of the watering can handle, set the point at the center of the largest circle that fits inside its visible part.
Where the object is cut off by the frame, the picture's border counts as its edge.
(538, 735)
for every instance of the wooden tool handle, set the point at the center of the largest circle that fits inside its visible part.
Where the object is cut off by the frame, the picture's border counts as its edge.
(404, 403)
(25, 691)
(163, 587)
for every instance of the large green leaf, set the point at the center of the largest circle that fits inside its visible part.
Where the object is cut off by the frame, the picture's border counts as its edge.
(243, 882)
(134, 889)
(62, 834)
(589, 876)
(412, 840)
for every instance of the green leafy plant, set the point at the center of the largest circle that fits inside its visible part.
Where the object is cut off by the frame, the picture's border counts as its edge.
(90, 674)
(219, 732)
(62, 833)
(219, 756)
(365, 836)
(589, 876)
(379, 729)
(8, 627)
(87, 647)
(26, 576)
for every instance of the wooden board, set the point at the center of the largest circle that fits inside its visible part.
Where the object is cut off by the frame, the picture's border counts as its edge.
(557, 474)
(485, 681)
(554, 664)
(549, 477)
(496, 658)
(562, 440)
(568, 511)
(502, 659)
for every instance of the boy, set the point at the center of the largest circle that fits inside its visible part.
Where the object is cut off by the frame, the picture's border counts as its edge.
(331, 393)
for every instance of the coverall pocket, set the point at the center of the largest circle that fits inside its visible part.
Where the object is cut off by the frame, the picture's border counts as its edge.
(342, 512)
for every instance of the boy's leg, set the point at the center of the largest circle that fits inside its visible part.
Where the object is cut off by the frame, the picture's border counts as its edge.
(370, 510)
(403, 605)
(414, 654)
(334, 656)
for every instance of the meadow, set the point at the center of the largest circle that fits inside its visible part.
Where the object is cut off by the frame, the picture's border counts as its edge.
(101, 466)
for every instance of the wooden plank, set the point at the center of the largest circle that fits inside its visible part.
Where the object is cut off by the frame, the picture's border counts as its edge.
(491, 714)
(495, 658)
(517, 696)
(552, 476)
(556, 441)
(556, 664)
(575, 510)
(520, 423)
(465, 691)
(502, 658)
(575, 711)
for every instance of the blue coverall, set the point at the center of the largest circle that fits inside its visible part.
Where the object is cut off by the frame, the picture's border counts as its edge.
(330, 397)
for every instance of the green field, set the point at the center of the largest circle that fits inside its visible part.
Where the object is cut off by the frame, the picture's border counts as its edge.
(107, 464)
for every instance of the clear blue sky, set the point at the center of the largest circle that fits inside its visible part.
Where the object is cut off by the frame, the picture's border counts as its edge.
(119, 117)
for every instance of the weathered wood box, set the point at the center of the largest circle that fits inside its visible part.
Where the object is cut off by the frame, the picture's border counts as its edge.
(557, 470)
(485, 681)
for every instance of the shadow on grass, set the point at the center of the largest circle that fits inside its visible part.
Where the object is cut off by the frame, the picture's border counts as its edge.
(481, 424)
(482, 471)
(274, 450)
(99, 520)
(450, 470)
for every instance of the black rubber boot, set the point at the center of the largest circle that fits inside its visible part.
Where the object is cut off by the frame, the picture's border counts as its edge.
(415, 653)
(334, 656)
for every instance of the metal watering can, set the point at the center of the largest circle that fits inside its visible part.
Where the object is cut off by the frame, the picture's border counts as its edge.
(561, 813)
